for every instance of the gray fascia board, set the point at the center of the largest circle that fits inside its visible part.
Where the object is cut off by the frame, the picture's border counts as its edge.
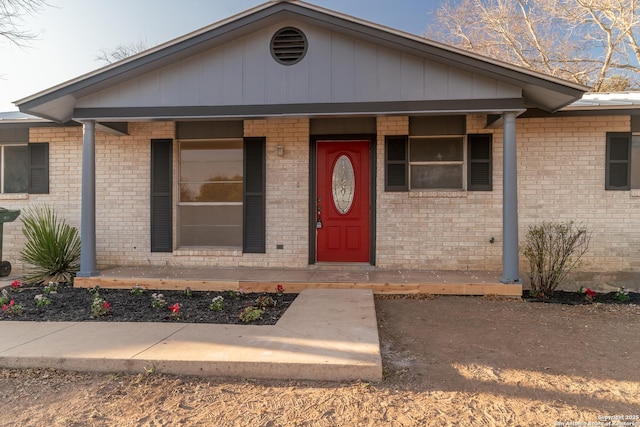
(190, 44)
(537, 113)
(480, 106)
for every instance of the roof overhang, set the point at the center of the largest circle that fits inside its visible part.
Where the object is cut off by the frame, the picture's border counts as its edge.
(478, 106)
(59, 102)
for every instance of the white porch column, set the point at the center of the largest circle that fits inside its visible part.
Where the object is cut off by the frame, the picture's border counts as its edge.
(510, 259)
(88, 202)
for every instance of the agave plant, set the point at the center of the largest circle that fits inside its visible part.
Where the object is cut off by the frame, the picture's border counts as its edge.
(53, 246)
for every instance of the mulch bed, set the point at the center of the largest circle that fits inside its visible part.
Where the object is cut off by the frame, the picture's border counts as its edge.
(575, 298)
(71, 304)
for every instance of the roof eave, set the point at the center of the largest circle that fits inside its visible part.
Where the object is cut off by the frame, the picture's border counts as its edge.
(537, 87)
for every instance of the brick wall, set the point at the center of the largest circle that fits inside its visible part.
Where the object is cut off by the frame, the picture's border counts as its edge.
(561, 177)
(438, 230)
(561, 169)
(65, 153)
(123, 165)
(561, 165)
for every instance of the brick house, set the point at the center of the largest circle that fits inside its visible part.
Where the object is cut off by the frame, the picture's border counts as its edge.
(290, 135)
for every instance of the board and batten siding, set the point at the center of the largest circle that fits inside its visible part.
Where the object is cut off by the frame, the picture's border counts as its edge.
(336, 69)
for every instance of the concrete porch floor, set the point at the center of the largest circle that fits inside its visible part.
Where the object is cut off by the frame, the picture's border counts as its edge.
(382, 281)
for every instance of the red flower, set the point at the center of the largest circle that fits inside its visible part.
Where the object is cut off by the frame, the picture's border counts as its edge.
(16, 284)
(590, 293)
(106, 306)
(279, 289)
(175, 308)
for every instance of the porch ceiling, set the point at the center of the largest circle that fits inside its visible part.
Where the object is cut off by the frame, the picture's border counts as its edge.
(480, 106)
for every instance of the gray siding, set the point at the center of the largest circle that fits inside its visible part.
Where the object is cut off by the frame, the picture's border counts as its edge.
(336, 69)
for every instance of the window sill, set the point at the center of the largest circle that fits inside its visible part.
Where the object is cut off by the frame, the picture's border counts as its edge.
(208, 251)
(14, 196)
(634, 193)
(437, 194)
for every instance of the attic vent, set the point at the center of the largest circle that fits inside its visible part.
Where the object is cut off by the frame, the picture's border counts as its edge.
(288, 46)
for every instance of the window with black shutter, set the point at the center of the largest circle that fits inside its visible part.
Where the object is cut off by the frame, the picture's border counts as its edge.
(161, 195)
(396, 163)
(437, 163)
(254, 227)
(479, 167)
(618, 161)
(38, 168)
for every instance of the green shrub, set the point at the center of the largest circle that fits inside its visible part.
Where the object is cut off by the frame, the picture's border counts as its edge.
(250, 313)
(554, 250)
(52, 247)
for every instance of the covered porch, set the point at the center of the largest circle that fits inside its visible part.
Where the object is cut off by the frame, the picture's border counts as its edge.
(380, 281)
(354, 92)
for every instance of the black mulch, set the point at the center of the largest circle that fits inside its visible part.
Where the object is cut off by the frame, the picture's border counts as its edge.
(575, 298)
(74, 304)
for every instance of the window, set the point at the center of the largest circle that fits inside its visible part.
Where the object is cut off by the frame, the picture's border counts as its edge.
(438, 163)
(24, 168)
(211, 193)
(15, 168)
(618, 161)
(221, 192)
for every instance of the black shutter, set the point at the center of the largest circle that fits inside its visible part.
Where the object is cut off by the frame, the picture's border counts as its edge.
(479, 164)
(161, 195)
(38, 168)
(396, 170)
(254, 218)
(618, 167)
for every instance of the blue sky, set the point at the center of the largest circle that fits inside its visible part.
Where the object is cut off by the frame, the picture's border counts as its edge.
(71, 33)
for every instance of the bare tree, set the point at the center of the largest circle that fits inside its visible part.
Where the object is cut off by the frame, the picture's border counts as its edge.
(593, 42)
(121, 52)
(12, 14)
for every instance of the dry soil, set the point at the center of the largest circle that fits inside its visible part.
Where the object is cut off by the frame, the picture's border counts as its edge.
(448, 361)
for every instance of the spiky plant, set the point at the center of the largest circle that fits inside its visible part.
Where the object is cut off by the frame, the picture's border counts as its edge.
(52, 247)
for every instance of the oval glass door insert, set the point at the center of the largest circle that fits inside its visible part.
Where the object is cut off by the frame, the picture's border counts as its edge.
(343, 184)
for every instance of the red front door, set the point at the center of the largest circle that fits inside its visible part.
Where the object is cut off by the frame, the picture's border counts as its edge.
(342, 205)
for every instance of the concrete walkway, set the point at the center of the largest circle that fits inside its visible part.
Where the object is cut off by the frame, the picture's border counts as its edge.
(326, 334)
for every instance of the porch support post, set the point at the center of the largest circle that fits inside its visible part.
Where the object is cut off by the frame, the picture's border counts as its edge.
(88, 202)
(510, 259)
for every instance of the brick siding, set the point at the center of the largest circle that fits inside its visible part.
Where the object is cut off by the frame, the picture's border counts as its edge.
(561, 167)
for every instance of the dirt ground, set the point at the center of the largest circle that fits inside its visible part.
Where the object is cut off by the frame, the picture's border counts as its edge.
(449, 361)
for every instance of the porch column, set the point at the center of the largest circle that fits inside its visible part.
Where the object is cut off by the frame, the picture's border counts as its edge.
(510, 273)
(88, 202)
